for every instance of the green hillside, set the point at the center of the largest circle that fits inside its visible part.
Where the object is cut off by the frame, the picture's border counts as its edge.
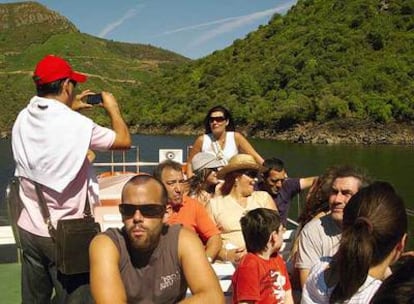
(29, 31)
(326, 60)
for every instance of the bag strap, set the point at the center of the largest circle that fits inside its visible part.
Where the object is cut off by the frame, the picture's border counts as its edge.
(87, 210)
(44, 210)
(218, 151)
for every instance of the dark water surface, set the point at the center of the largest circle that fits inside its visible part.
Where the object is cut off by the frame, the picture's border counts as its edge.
(394, 164)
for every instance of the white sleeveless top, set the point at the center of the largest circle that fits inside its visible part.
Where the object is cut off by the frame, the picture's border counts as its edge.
(316, 290)
(211, 145)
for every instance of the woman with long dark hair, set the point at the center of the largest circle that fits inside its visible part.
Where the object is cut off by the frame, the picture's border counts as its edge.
(221, 138)
(373, 237)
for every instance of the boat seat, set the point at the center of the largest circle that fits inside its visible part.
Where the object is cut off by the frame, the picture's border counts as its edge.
(9, 253)
(110, 187)
(288, 240)
(108, 217)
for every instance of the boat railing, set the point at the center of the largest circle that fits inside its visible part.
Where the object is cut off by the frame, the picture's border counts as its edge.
(119, 162)
(123, 165)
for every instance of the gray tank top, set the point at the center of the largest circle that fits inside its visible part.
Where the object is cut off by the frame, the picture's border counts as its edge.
(162, 280)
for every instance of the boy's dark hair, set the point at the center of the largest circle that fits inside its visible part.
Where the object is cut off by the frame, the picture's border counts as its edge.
(257, 226)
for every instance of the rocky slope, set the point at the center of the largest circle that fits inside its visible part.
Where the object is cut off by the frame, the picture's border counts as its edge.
(340, 132)
(349, 132)
(23, 24)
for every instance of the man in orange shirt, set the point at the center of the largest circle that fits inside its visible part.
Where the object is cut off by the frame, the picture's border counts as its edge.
(185, 210)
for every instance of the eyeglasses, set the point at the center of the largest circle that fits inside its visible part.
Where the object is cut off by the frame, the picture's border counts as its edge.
(250, 173)
(212, 119)
(147, 210)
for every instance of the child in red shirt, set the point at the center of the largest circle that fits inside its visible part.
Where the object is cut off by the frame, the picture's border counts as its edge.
(261, 276)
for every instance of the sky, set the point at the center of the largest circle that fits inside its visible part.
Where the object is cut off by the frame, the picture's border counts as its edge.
(193, 28)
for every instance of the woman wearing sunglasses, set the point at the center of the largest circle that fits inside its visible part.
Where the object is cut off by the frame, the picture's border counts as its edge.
(238, 197)
(221, 138)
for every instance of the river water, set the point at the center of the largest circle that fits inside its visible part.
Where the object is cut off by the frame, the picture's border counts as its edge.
(394, 164)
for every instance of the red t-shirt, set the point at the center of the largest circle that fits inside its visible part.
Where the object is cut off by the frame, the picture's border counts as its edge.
(194, 216)
(260, 280)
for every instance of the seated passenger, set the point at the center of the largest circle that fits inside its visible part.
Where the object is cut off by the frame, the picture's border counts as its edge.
(261, 276)
(374, 235)
(238, 197)
(147, 261)
(320, 237)
(221, 138)
(281, 187)
(182, 209)
(204, 184)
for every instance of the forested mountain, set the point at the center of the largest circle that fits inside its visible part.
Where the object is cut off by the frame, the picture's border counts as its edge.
(29, 31)
(325, 60)
(322, 62)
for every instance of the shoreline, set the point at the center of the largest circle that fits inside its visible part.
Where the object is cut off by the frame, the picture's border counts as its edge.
(338, 132)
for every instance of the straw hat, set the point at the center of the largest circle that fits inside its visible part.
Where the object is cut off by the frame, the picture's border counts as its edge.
(206, 160)
(240, 162)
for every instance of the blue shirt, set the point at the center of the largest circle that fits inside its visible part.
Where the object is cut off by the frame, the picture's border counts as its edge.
(282, 199)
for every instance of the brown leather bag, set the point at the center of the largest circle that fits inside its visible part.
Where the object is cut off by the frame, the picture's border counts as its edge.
(72, 238)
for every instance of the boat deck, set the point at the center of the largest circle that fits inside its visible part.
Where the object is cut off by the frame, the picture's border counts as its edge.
(10, 283)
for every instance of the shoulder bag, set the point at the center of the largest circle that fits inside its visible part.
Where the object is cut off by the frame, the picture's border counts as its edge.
(72, 237)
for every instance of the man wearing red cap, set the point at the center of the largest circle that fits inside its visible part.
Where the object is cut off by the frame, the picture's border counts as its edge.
(50, 142)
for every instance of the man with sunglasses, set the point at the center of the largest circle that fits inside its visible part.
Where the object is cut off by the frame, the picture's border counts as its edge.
(281, 188)
(185, 210)
(50, 142)
(147, 261)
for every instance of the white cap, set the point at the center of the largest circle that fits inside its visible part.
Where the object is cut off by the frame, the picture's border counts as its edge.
(206, 160)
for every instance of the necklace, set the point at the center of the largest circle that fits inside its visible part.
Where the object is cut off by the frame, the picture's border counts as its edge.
(222, 140)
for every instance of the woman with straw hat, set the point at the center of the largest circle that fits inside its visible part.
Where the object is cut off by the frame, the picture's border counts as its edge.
(238, 197)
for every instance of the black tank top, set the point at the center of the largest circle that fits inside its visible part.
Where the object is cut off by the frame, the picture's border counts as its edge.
(162, 280)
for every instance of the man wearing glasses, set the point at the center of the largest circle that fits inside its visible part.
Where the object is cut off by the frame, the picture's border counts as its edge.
(50, 142)
(281, 188)
(185, 210)
(147, 261)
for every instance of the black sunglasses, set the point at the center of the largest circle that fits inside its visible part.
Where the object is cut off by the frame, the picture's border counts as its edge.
(147, 210)
(212, 119)
(250, 173)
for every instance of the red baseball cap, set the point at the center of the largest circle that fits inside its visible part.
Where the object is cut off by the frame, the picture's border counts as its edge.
(52, 68)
